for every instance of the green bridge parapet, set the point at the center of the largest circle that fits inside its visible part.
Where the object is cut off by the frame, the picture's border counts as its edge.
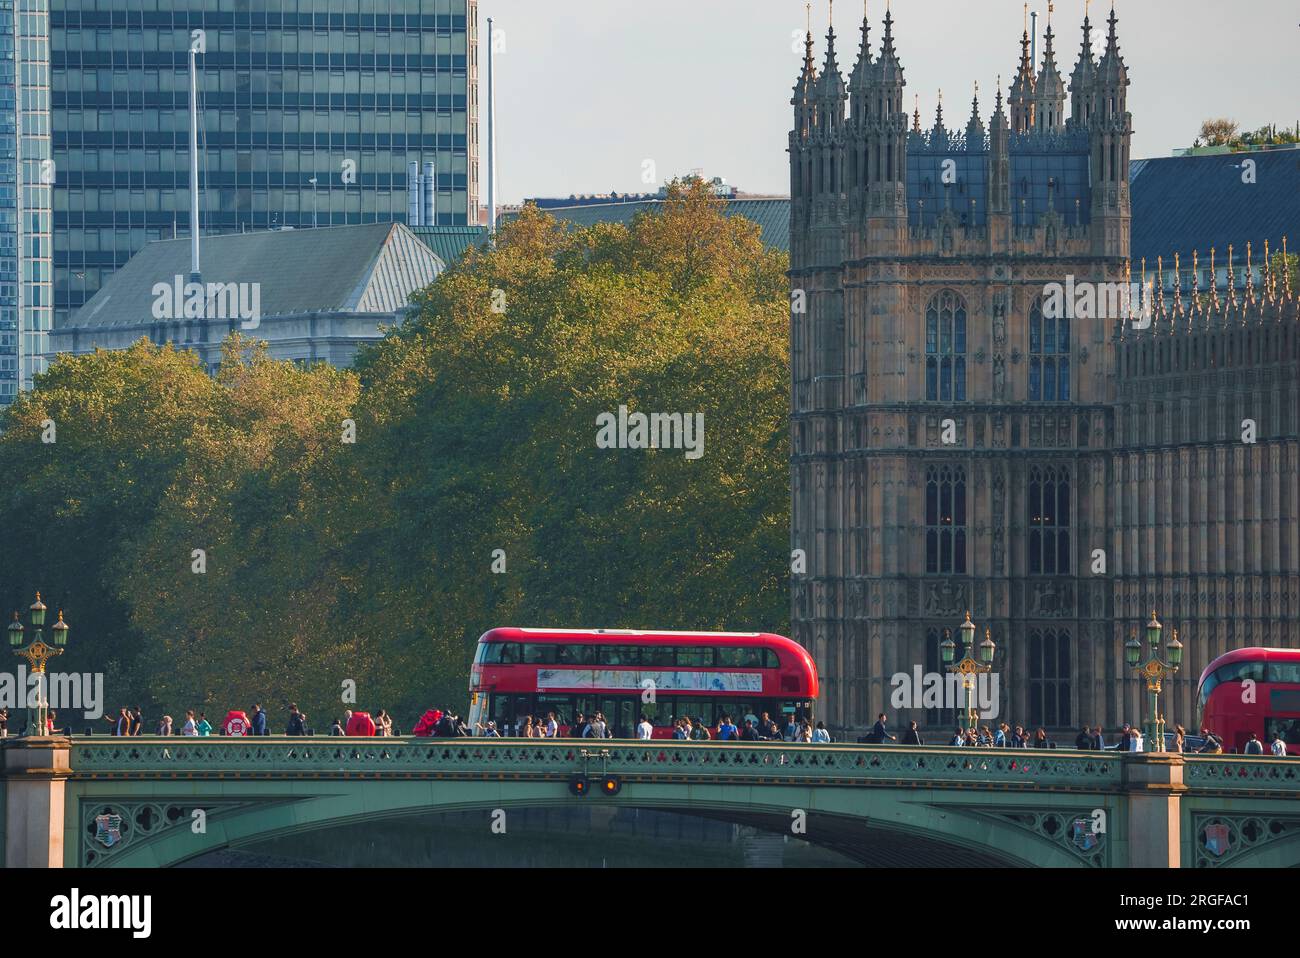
(1015, 805)
(315, 757)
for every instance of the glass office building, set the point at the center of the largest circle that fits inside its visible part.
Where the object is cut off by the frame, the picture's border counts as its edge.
(26, 181)
(342, 92)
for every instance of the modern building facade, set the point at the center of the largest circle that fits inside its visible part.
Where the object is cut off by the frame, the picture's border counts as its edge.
(961, 444)
(27, 178)
(310, 111)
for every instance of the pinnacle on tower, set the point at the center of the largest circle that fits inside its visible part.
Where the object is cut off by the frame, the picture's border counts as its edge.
(1083, 80)
(1021, 95)
(975, 126)
(1049, 88)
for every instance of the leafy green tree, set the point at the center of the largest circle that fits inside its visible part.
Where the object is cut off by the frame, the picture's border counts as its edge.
(219, 541)
(87, 458)
(486, 433)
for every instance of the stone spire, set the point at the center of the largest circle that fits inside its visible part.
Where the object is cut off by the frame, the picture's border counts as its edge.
(1049, 88)
(1083, 81)
(1021, 95)
(939, 132)
(805, 87)
(975, 125)
(1111, 70)
(831, 94)
(860, 80)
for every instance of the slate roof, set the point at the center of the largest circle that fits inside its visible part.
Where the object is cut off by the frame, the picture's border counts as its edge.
(1186, 203)
(370, 268)
(450, 242)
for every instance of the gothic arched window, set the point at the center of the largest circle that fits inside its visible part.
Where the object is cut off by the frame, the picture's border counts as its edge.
(1049, 356)
(945, 520)
(1049, 520)
(945, 348)
(1049, 678)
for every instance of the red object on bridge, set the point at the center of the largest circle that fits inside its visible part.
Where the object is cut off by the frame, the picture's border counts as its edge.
(360, 724)
(627, 674)
(1252, 690)
(236, 723)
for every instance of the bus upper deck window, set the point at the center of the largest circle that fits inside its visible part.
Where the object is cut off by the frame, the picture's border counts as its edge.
(510, 653)
(490, 652)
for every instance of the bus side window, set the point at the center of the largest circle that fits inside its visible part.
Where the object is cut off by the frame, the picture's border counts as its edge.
(770, 660)
(1284, 672)
(620, 655)
(490, 652)
(510, 653)
(698, 656)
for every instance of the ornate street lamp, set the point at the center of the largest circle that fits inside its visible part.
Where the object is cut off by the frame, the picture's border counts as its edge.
(1154, 670)
(969, 666)
(37, 654)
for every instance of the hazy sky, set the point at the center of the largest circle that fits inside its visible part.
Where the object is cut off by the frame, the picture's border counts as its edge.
(588, 90)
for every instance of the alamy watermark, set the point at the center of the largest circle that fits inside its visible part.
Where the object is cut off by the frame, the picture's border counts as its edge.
(1083, 299)
(62, 691)
(658, 430)
(933, 690)
(185, 300)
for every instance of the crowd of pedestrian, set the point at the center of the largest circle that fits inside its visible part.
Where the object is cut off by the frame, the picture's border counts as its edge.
(444, 723)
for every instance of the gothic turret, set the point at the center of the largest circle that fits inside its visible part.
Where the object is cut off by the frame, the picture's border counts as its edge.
(805, 89)
(888, 174)
(975, 125)
(1049, 90)
(831, 96)
(1111, 133)
(860, 81)
(801, 135)
(1021, 95)
(1083, 82)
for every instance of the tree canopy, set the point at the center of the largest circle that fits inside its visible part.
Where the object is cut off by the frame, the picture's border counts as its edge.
(474, 493)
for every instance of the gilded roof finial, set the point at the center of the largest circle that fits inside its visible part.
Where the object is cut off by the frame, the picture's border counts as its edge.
(1178, 284)
(1196, 279)
(1250, 275)
(1286, 270)
(1160, 284)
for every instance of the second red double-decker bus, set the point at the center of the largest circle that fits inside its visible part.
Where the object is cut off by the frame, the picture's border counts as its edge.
(1252, 690)
(625, 674)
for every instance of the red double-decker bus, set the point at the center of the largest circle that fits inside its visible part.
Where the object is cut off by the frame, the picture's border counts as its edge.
(1232, 709)
(522, 672)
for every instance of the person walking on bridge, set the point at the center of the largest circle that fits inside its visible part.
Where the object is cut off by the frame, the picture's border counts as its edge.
(913, 734)
(820, 736)
(880, 731)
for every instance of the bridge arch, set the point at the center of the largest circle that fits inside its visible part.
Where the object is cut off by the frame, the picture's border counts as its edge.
(875, 826)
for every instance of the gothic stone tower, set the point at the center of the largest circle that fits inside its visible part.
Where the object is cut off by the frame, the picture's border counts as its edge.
(949, 437)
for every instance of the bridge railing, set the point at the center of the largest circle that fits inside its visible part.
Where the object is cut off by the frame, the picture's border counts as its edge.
(1249, 773)
(275, 757)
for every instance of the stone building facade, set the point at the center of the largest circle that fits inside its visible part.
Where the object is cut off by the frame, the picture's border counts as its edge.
(960, 442)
